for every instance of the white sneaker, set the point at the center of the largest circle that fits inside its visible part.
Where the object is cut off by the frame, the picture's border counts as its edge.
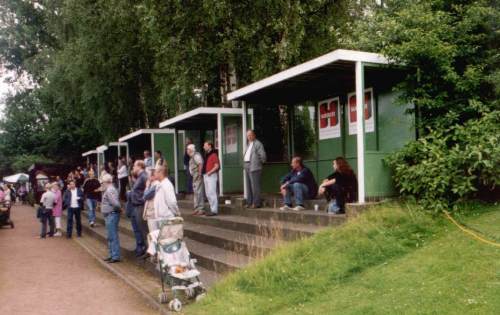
(285, 208)
(298, 208)
(58, 234)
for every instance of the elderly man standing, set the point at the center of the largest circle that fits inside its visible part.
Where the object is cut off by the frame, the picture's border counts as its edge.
(254, 157)
(137, 201)
(111, 208)
(195, 169)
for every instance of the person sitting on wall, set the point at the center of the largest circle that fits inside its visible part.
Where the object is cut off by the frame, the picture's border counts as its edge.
(339, 187)
(300, 183)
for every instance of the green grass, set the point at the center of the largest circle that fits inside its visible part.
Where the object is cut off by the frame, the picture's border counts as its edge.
(392, 260)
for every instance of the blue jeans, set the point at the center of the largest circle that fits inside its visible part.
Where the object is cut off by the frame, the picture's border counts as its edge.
(112, 219)
(299, 191)
(333, 206)
(91, 206)
(135, 216)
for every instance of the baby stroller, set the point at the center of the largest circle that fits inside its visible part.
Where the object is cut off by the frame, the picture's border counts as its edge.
(177, 269)
(5, 214)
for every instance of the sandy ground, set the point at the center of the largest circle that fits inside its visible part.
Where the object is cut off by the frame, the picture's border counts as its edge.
(56, 276)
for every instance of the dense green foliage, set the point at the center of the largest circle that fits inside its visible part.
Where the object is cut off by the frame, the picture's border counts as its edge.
(451, 51)
(103, 68)
(391, 260)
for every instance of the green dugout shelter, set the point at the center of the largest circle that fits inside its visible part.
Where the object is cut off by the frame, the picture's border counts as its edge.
(151, 140)
(339, 104)
(110, 153)
(90, 157)
(213, 123)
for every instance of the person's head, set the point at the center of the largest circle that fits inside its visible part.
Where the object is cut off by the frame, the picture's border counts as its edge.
(340, 165)
(71, 184)
(107, 180)
(48, 186)
(55, 186)
(110, 164)
(139, 166)
(188, 141)
(297, 163)
(158, 154)
(91, 173)
(161, 172)
(250, 135)
(191, 149)
(208, 146)
(58, 177)
(147, 154)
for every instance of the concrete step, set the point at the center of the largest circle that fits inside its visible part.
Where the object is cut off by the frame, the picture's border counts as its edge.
(267, 228)
(210, 257)
(238, 242)
(319, 218)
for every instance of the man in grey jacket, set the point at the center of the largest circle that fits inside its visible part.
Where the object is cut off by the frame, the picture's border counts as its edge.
(111, 208)
(254, 157)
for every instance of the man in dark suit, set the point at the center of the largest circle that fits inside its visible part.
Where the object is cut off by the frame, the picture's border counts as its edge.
(254, 157)
(73, 202)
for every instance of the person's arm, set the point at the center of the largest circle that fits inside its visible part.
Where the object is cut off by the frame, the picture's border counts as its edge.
(215, 168)
(113, 199)
(149, 193)
(300, 178)
(261, 153)
(171, 199)
(327, 182)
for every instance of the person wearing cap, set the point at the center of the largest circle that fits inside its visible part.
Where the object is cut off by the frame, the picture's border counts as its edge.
(111, 208)
(57, 210)
(196, 169)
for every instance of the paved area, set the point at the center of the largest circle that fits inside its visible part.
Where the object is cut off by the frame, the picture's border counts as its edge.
(56, 276)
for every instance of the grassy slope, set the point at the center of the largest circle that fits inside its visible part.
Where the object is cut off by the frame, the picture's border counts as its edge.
(392, 260)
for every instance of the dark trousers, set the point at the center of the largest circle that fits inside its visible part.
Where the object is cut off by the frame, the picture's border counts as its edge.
(189, 182)
(77, 212)
(336, 192)
(253, 186)
(140, 228)
(46, 216)
(123, 188)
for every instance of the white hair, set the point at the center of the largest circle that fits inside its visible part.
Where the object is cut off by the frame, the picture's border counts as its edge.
(191, 147)
(107, 178)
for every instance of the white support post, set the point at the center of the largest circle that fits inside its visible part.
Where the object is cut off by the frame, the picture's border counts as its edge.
(221, 158)
(360, 123)
(153, 150)
(244, 143)
(119, 147)
(176, 173)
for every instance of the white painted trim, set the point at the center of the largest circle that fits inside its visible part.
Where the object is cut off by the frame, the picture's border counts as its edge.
(144, 131)
(101, 149)
(153, 162)
(221, 162)
(176, 173)
(244, 128)
(200, 111)
(336, 55)
(89, 153)
(360, 136)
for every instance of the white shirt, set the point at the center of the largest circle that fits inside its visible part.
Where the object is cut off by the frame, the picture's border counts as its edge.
(122, 172)
(165, 202)
(74, 198)
(248, 154)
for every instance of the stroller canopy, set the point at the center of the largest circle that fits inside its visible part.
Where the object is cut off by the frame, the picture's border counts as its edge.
(17, 178)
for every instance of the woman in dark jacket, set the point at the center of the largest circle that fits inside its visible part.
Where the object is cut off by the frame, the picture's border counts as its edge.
(340, 186)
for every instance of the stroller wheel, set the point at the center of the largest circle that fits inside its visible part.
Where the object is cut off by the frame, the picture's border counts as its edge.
(201, 296)
(175, 305)
(162, 297)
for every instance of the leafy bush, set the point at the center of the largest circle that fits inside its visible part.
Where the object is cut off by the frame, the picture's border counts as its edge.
(448, 166)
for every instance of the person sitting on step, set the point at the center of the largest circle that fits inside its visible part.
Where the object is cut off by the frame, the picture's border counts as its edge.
(339, 187)
(300, 183)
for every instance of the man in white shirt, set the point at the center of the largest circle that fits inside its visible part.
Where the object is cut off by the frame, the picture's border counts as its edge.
(73, 201)
(165, 201)
(122, 175)
(254, 157)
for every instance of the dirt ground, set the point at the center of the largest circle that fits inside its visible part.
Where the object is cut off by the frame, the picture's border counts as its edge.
(56, 276)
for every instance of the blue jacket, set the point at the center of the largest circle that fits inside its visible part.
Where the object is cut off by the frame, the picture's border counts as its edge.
(67, 198)
(304, 176)
(137, 192)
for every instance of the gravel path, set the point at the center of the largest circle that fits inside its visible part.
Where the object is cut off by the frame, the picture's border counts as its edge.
(56, 276)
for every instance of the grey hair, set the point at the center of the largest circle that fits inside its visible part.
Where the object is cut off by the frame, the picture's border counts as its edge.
(191, 147)
(107, 178)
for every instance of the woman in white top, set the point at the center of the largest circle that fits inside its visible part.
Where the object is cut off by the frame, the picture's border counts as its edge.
(122, 178)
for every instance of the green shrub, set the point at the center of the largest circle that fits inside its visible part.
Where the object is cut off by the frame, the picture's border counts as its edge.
(446, 167)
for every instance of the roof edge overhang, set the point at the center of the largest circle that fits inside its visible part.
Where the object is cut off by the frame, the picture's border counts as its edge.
(336, 55)
(199, 111)
(89, 153)
(101, 149)
(144, 131)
